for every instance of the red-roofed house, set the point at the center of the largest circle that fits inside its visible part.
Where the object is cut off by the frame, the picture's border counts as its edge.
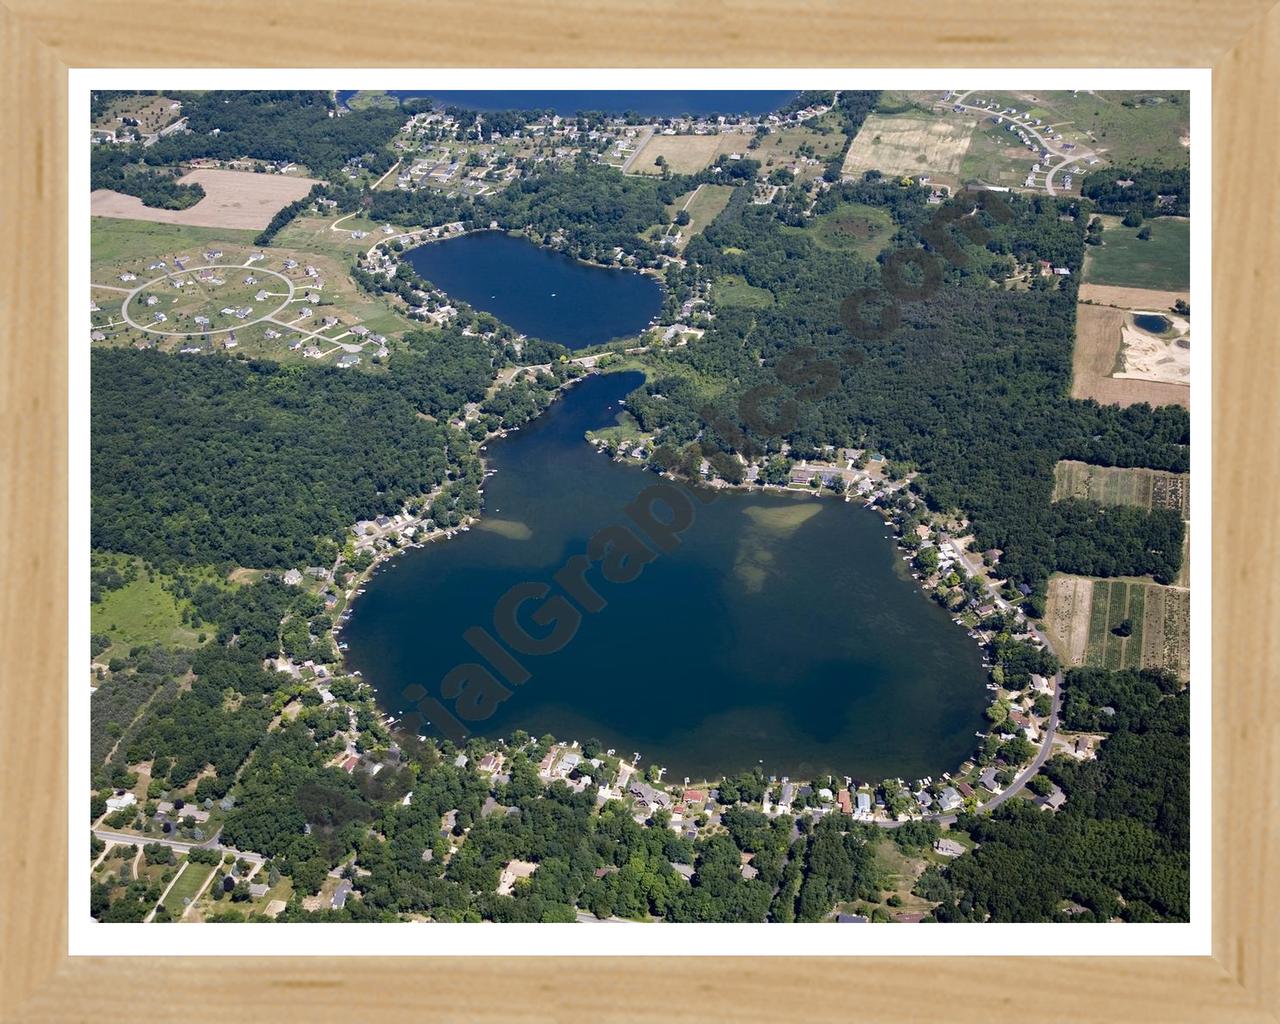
(845, 801)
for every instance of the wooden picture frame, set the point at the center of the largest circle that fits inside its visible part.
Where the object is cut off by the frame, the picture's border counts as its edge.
(40, 41)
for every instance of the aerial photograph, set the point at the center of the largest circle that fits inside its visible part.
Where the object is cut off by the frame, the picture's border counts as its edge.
(639, 506)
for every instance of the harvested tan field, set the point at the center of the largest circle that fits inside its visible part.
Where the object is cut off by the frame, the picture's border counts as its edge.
(1130, 298)
(1068, 606)
(1098, 337)
(909, 144)
(233, 199)
(687, 154)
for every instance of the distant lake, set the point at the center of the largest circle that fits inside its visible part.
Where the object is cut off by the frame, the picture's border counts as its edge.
(783, 631)
(538, 291)
(566, 102)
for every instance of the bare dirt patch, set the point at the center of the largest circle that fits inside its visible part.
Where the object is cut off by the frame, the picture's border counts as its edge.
(1098, 340)
(233, 199)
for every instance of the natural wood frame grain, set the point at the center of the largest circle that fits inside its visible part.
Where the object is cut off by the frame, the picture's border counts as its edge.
(40, 39)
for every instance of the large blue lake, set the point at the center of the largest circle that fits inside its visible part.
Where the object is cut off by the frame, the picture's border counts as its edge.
(783, 631)
(538, 291)
(646, 102)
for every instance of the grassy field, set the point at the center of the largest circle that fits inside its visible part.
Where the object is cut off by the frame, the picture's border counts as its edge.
(367, 99)
(119, 245)
(852, 227)
(995, 157)
(686, 154)
(1161, 262)
(791, 145)
(1108, 485)
(315, 234)
(124, 245)
(141, 612)
(703, 205)
(1124, 127)
(733, 290)
(187, 885)
(151, 112)
(1082, 614)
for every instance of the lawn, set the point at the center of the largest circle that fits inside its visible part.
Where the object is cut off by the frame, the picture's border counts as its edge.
(116, 245)
(623, 429)
(705, 205)
(1162, 261)
(733, 290)
(187, 885)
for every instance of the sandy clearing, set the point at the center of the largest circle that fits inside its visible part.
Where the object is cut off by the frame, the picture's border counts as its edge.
(1098, 337)
(1147, 357)
(233, 199)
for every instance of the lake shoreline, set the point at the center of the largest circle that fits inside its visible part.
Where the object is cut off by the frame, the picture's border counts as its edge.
(357, 584)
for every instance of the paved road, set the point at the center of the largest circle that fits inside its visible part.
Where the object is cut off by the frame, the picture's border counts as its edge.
(152, 329)
(177, 845)
(626, 166)
(168, 129)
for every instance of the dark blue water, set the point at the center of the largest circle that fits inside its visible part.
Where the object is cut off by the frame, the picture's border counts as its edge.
(566, 102)
(538, 291)
(782, 631)
(1151, 322)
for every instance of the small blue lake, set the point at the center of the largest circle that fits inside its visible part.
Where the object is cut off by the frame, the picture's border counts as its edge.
(540, 292)
(1152, 322)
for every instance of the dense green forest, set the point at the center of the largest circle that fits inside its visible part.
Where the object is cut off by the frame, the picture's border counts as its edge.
(597, 208)
(1142, 194)
(120, 169)
(1119, 847)
(969, 388)
(256, 460)
(281, 125)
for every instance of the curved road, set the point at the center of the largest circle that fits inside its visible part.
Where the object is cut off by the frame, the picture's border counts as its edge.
(124, 305)
(1079, 153)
